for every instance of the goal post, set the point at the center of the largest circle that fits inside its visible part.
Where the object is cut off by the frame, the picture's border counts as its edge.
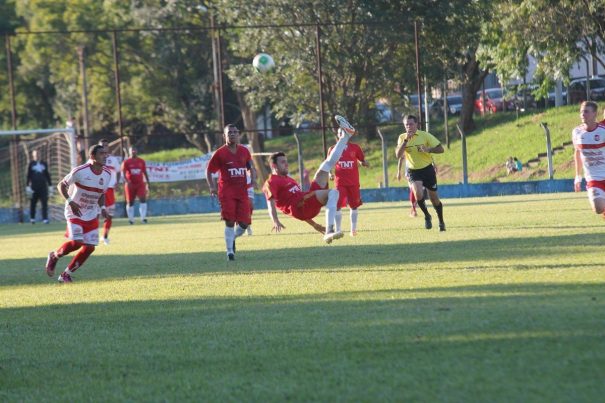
(56, 146)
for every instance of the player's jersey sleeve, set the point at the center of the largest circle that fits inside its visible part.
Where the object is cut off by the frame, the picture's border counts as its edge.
(268, 188)
(71, 177)
(360, 155)
(431, 140)
(215, 162)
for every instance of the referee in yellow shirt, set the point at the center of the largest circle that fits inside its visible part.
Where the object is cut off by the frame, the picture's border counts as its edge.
(416, 147)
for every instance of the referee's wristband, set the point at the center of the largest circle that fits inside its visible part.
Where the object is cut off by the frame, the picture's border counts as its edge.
(578, 179)
(68, 200)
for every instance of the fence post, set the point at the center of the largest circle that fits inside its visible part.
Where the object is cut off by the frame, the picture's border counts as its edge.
(301, 166)
(464, 159)
(385, 174)
(548, 149)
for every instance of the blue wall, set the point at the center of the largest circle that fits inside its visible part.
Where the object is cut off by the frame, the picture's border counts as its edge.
(206, 204)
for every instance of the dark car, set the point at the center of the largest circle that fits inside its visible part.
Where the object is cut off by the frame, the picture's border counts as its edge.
(577, 90)
(454, 106)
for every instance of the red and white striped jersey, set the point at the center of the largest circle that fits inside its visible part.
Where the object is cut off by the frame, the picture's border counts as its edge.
(591, 144)
(85, 188)
(114, 164)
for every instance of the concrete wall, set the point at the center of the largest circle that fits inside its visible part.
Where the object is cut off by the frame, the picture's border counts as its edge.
(206, 204)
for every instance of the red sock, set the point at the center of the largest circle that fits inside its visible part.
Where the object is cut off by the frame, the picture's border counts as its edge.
(80, 257)
(68, 247)
(412, 197)
(106, 227)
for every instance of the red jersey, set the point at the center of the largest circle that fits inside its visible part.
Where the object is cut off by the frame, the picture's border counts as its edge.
(134, 170)
(232, 166)
(284, 190)
(347, 168)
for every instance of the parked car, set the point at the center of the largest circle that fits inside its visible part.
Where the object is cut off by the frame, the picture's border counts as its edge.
(494, 101)
(384, 113)
(577, 90)
(413, 104)
(454, 106)
(551, 97)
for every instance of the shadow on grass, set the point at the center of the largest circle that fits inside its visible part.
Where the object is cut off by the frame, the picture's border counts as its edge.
(546, 252)
(513, 343)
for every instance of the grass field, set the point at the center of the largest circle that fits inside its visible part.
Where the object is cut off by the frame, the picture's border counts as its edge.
(507, 305)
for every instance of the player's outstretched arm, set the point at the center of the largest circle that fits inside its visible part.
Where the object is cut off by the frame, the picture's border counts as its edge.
(577, 158)
(318, 227)
(277, 225)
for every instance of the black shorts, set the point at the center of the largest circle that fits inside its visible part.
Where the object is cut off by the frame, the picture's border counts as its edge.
(426, 175)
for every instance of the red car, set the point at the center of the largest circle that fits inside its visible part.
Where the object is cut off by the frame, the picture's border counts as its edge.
(494, 101)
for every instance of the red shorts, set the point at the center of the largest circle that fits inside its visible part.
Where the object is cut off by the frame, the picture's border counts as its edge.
(311, 207)
(236, 208)
(135, 190)
(349, 195)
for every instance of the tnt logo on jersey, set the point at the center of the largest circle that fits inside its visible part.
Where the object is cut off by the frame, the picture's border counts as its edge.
(237, 172)
(346, 164)
(597, 137)
(294, 189)
(101, 181)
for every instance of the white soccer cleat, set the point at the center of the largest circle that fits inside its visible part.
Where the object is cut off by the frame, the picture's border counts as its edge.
(344, 124)
(330, 236)
(106, 241)
(249, 230)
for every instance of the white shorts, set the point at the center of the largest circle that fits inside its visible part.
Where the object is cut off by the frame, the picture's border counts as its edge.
(595, 193)
(84, 231)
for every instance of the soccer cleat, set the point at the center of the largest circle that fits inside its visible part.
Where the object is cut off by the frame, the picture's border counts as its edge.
(442, 226)
(106, 241)
(46, 221)
(144, 221)
(249, 230)
(428, 223)
(51, 262)
(65, 278)
(130, 222)
(330, 236)
(230, 256)
(353, 233)
(32, 221)
(344, 124)
(413, 213)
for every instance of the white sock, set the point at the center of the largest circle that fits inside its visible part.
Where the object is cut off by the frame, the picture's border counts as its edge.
(331, 206)
(335, 155)
(338, 220)
(229, 237)
(130, 213)
(143, 210)
(353, 220)
(239, 231)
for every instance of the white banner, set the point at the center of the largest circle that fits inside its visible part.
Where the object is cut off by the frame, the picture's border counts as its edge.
(192, 169)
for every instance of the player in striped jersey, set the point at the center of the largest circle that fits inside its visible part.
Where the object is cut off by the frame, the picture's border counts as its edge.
(589, 156)
(84, 191)
(112, 163)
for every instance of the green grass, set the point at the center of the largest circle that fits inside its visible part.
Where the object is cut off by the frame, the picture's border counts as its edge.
(507, 305)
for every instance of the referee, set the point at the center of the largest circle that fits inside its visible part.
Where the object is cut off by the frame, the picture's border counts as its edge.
(416, 147)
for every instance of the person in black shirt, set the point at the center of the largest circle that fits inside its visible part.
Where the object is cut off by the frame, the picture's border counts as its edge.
(38, 184)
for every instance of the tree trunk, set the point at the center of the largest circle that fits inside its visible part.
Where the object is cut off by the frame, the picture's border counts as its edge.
(472, 78)
(254, 138)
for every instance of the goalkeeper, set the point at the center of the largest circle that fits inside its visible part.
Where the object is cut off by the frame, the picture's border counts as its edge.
(39, 186)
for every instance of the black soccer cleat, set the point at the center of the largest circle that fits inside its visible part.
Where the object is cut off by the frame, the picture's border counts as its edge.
(442, 227)
(428, 222)
(230, 256)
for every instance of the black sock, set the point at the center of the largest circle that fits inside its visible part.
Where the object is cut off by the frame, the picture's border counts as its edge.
(422, 206)
(439, 210)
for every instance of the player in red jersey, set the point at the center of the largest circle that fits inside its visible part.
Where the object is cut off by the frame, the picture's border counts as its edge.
(346, 181)
(284, 193)
(234, 162)
(136, 184)
(589, 156)
(88, 184)
(112, 163)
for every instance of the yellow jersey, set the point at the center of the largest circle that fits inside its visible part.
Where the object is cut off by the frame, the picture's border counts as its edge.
(415, 158)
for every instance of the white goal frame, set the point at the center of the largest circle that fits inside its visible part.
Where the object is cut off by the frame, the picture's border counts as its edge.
(69, 131)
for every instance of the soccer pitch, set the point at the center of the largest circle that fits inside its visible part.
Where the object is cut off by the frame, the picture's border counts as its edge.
(507, 305)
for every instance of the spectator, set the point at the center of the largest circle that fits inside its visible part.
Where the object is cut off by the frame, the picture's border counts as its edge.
(38, 186)
(518, 165)
(510, 166)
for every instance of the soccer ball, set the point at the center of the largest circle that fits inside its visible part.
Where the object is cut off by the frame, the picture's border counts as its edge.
(263, 63)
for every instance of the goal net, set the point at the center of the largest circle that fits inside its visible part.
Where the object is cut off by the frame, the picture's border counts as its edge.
(55, 146)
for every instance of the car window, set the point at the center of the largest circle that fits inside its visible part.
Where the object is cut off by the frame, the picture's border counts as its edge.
(454, 100)
(597, 83)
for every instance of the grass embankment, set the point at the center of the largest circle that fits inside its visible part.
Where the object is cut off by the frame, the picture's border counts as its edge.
(497, 137)
(507, 305)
